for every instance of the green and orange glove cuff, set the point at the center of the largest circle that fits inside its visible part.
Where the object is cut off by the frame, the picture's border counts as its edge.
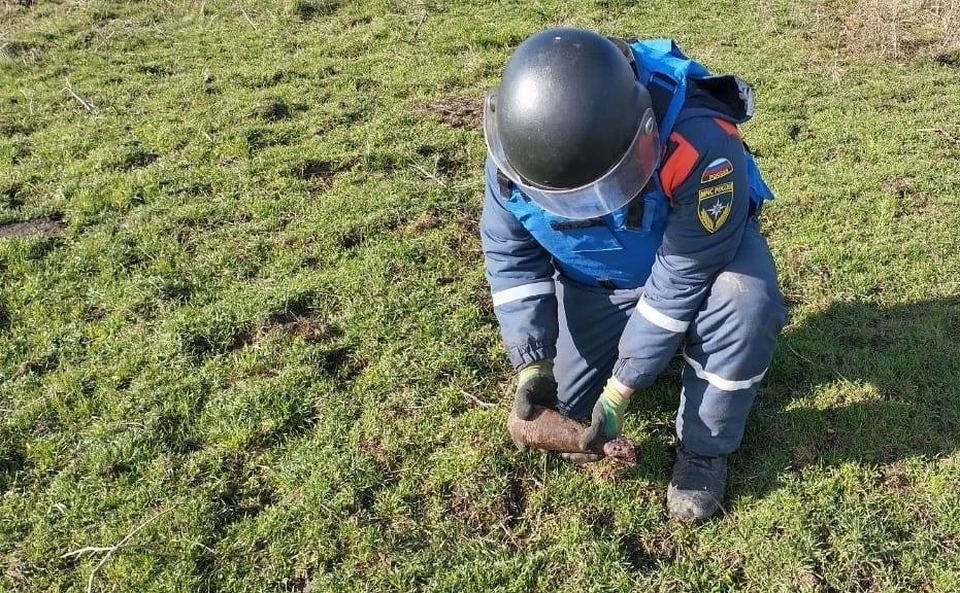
(614, 405)
(606, 422)
(535, 387)
(541, 368)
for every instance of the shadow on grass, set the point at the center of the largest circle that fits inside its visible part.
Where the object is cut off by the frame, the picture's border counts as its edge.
(860, 383)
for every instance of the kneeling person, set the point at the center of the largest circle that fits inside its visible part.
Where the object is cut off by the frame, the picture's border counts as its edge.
(619, 223)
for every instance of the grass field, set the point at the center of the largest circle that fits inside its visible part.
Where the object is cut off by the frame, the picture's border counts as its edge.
(247, 323)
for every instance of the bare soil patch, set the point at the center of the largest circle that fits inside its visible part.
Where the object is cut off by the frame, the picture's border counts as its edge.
(45, 225)
(457, 111)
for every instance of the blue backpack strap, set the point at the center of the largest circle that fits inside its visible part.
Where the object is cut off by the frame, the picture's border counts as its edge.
(759, 190)
(663, 69)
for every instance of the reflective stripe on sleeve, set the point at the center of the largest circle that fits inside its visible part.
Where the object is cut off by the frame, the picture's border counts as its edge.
(659, 319)
(523, 291)
(718, 381)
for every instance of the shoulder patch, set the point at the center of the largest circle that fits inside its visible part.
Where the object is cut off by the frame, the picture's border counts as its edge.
(714, 204)
(717, 169)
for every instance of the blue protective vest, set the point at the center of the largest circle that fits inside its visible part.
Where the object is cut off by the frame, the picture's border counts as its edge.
(618, 250)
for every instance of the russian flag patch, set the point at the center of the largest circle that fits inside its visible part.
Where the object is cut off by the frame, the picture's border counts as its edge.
(717, 169)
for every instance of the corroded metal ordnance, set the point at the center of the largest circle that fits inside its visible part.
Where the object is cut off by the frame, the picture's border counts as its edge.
(551, 431)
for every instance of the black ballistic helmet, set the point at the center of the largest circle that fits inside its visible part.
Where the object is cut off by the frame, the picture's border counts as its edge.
(571, 125)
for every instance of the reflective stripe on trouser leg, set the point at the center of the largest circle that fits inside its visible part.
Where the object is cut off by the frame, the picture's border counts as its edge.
(591, 322)
(711, 421)
(729, 347)
(532, 289)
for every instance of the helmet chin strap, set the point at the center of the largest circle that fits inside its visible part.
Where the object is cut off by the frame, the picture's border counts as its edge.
(633, 221)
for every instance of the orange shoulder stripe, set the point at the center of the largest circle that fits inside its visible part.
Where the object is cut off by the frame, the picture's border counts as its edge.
(727, 127)
(678, 165)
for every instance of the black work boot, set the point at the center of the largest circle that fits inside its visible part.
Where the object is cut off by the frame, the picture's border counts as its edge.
(697, 486)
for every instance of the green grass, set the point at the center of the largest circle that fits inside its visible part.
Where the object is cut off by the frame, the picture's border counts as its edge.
(267, 303)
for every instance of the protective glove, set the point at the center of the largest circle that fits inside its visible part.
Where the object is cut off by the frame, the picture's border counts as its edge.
(606, 422)
(535, 387)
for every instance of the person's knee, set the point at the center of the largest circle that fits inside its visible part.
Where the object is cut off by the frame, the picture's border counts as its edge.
(752, 302)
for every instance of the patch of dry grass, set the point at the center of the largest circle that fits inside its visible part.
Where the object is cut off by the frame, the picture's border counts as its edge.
(903, 29)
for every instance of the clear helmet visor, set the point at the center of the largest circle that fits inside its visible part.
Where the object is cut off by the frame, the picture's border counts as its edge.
(609, 192)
